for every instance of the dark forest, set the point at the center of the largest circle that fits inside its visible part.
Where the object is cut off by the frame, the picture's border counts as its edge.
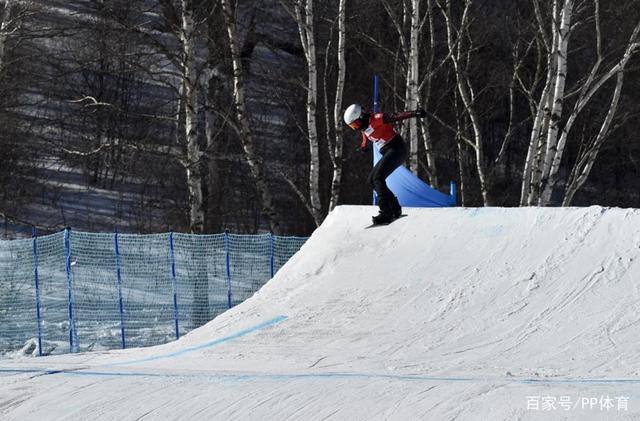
(211, 115)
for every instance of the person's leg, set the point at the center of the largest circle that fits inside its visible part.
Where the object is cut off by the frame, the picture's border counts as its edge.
(396, 209)
(377, 181)
(391, 159)
(399, 151)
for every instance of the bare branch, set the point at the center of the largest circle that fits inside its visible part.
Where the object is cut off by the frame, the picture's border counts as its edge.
(89, 101)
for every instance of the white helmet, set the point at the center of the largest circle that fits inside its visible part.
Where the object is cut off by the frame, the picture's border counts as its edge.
(352, 113)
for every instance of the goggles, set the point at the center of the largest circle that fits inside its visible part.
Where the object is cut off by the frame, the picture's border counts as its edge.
(355, 124)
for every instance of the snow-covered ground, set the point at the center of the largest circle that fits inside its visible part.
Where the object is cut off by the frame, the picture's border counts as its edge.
(469, 314)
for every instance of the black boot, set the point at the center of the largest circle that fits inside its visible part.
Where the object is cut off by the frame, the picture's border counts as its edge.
(382, 218)
(396, 209)
(387, 209)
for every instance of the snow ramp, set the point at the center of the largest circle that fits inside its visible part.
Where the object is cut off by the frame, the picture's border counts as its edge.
(446, 314)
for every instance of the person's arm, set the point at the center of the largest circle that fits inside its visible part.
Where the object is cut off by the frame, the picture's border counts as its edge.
(392, 118)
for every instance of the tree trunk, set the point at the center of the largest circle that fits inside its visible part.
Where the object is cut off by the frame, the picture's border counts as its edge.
(214, 188)
(466, 94)
(532, 173)
(540, 146)
(590, 157)
(5, 18)
(337, 109)
(193, 162)
(427, 141)
(536, 132)
(560, 53)
(246, 135)
(190, 99)
(307, 37)
(412, 83)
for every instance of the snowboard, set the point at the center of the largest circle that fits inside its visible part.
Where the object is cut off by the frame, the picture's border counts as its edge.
(384, 225)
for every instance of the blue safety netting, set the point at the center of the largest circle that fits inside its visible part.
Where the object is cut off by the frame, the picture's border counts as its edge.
(78, 291)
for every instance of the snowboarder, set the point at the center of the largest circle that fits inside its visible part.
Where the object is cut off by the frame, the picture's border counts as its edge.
(378, 128)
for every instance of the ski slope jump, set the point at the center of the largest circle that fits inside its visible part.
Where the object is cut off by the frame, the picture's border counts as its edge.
(452, 313)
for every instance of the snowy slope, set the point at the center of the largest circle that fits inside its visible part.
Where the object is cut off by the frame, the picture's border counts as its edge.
(470, 314)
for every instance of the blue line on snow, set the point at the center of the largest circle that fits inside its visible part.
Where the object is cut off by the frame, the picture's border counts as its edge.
(209, 344)
(276, 320)
(322, 376)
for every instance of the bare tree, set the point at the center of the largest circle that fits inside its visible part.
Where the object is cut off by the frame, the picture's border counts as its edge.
(587, 158)
(337, 155)
(5, 28)
(244, 129)
(548, 137)
(531, 172)
(13, 15)
(302, 12)
(412, 82)
(425, 91)
(530, 90)
(193, 167)
(455, 39)
(409, 57)
(560, 54)
(7, 152)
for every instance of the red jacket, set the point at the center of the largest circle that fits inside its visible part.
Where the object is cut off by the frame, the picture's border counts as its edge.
(380, 129)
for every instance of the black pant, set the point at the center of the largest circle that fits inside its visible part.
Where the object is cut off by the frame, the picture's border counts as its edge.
(393, 155)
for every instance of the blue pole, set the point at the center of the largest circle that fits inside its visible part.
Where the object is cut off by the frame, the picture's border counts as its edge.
(271, 252)
(174, 284)
(453, 191)
(73, 337)
(228, 258)
(376, 93)
(376, 108)
(119, 287)
(34, 234)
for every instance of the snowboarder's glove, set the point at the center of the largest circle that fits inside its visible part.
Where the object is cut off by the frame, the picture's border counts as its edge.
(420, 113)
(363, 149)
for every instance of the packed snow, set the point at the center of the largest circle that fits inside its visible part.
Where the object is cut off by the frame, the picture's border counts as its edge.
(457, 313)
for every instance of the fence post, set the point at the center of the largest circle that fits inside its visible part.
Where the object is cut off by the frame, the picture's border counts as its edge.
(73, 336)
(119, 287)
(228, 259)
(174, 284)
(34, 234)
(271, 252)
